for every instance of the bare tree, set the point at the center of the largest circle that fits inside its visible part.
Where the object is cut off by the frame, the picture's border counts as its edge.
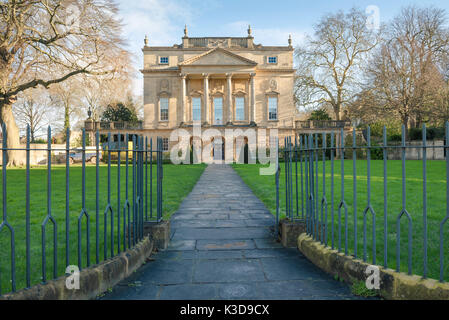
(39, 36)
(440, 112)
(407, 73)
(330, 62)
(99, 91)
(67, 95)
(31, 111)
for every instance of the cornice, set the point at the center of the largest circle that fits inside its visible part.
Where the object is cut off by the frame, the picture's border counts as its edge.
(246, 61)
(181, 49)
(177, 70)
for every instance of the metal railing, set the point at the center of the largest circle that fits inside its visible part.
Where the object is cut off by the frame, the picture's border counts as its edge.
(91, 125)
(123, 212)
(393, 208)
(323, 124)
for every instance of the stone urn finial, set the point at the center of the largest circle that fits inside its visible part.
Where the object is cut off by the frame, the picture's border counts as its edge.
(186, 32)
(146, 41)
(290, 40)
(249, 31)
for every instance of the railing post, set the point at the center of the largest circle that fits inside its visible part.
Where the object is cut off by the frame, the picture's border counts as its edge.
(306, 173)
(324, 200)
(151, 178)
(354, 172)
(385, 160)
(332, 189)
(424, 140)
(134, 191)
(28, 211)
(49, 218)
(443, 223)
(278, 171)
(5, 222)
(83, 210)
(119, 205)
(97, 198)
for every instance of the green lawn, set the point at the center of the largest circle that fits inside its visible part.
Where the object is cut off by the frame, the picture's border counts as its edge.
(264, 188)
(178, 182)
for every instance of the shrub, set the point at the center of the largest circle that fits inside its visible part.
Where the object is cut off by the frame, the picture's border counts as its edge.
(393, 128)
(39, 141)
(415, 134)
(377, 154)
(395, 137)
(320, 114)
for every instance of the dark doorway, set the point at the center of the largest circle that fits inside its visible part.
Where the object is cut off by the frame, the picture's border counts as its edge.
(218, 150)
(246, 152)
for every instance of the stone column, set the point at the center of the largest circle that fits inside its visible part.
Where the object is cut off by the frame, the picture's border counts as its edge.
(206, 97)
(183, 99)
(229, 97)
(252, 98)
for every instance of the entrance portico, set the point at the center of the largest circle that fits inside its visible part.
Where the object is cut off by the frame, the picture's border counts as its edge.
(218, 83)
(218, 77)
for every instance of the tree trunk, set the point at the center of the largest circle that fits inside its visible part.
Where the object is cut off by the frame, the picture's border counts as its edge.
(66, 117)
(405, 122)
(14, 157)
(337, 112)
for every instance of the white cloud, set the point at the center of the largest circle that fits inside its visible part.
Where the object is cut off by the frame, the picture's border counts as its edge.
(162, 20)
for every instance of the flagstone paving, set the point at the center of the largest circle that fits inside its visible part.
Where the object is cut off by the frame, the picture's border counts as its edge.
(222, 247)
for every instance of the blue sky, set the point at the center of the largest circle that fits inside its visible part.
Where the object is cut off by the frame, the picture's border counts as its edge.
(271, 21)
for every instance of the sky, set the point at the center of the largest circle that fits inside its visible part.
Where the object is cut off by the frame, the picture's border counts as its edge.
(271, 21)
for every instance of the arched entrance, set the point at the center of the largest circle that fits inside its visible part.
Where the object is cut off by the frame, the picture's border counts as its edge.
(195, 150)
(218, 149)
(241, 148)
(245, 151)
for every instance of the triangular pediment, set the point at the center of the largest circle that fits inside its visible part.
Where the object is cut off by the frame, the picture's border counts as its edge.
(218, 57)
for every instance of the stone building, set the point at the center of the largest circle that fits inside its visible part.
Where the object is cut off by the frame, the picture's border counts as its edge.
(219, 82)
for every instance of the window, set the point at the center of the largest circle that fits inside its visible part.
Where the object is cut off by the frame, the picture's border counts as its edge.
(218, 110)
(239, 108)
(196, 109)
(165, 144)
(272, 60)
(163, 60)
(163, 102)
(272, 108)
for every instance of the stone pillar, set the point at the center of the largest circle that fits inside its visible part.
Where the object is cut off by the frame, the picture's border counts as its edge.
(229, 97)
(183, 99)
(206, 98)
(252, 98)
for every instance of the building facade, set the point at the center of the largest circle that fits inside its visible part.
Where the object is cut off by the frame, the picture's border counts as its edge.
(220, 83)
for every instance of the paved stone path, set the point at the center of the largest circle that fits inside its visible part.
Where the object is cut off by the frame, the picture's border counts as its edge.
(222, 248)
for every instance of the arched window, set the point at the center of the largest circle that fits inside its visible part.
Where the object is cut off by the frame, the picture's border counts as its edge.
(196, 108)
(218, 110)
(163, 107)
(239, 108)
(273, 108)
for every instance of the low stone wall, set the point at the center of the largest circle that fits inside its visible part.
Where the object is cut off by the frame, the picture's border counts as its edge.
(39, 154)
(393, 285)
(93, 281)
(159, 233)
(435, 151)
(289, 231)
